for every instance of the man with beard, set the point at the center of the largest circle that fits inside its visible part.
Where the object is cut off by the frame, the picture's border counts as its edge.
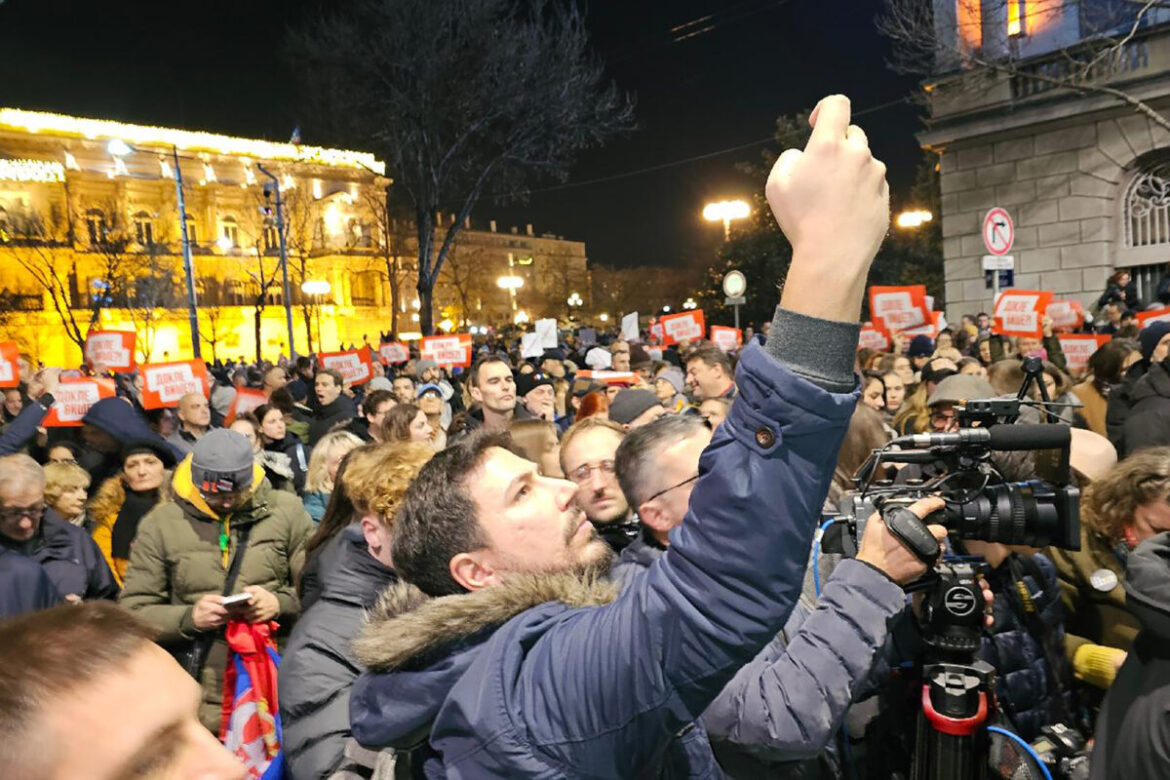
(503, 654)
(587, 459)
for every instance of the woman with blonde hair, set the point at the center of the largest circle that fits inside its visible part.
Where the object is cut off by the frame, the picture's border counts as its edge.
(323, 465)
(319, 667)
(66, 489)
(1123, 508)
(538, 439)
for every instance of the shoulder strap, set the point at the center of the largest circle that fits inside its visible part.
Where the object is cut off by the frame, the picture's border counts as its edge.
(233, 571)
(1053, 657)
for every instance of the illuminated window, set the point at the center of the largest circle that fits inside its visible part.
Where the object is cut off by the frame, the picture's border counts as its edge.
(1015, 18)
(230, 232)
(970, 19)
(271, 239)
(95, 224)
(192, 231)
(144, 228)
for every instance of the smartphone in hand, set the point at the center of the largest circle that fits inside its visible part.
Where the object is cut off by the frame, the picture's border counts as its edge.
(238, 604)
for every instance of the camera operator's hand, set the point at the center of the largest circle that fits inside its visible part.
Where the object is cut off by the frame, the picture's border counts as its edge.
(834, 182)
(882, 550)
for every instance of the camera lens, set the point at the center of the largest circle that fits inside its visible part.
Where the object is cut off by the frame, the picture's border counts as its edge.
(1033, 513)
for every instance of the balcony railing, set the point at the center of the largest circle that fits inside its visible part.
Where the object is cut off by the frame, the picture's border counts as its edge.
(1078, 67)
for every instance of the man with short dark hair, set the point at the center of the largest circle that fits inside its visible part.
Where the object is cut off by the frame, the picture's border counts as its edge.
(375, 406)
(587, 460)
(710, 373)
(194, 414)
(493, 388)
(518, 664)
(85, 692)
(403, 386)
(302, 384)
(274, 379)
(620, 355)
(333, 405)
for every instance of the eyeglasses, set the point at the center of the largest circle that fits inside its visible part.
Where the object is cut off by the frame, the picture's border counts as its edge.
(942, 418)
(686, 481)
(14, 514)
(581, 474)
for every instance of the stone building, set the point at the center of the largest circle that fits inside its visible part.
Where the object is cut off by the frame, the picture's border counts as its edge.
(1083, 174)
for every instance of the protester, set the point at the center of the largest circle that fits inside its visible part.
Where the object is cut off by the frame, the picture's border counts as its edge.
(65, 551)
(593, 404)
(407, 423)
(108, 426)
(85, 692)
(493, 389)
(535, 396)
(318, 666)
(1131, 739)
(900, 365)
(715, 411)
(323, 464)
(430, 400)
(225, 531)
(632, 408)
(194, 413)
(274, 379)
(620, 355)
(587, 459)
(895, 393)
(66, 490)
(920, 351)
(1119, 290)
(62, 452)
(538, 440)
(375, 405)
(1155, 346)
(1148, 421)
(403, 386)
(301, 386)
(1107, 366)
(669, 386)
(710, 373)
(333, 405)
(873, 391)
(283, 456)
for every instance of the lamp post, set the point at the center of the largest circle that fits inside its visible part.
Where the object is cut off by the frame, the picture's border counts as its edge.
(292, 351)
(316, 288)
(120, 148)
(910, 220)
(725, 211)
(575, 301)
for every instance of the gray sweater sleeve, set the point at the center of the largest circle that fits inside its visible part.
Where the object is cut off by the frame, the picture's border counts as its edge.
(821, 351)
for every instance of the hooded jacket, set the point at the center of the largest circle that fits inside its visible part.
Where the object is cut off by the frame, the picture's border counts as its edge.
(319, 667)
(325, 417)
(547, 676)
(118, 420)
(293, 467)
(1118, 406)
(70, 558)
(176, 559)
(1133, 731)
(783, 709)
(1148, 423)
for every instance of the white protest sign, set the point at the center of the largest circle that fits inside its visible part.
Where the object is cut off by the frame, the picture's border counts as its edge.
(547, 330)
(530, 345)
(630, 327)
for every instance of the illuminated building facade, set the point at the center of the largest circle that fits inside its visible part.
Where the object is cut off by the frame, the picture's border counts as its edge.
(90, 234)
(1081, 173)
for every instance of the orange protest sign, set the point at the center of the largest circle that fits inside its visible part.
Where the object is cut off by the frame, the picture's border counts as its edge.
(1079, 347)
(727, 339)
(163, 384)
(73, 399)
(355, 365)
(247, 399)
(112, 350)
(1066, 314)
(454, 350)
(899, 308)
(1144, 318)
(873, 337)
(393, 352)
(9, 364)
(687, 326)
(1021, 312)
(608, 377)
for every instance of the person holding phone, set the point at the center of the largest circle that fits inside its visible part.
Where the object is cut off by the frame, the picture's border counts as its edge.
(227, 546)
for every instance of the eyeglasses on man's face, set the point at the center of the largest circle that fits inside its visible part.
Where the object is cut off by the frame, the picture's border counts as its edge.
(582, 473)
(13, 514)
(663, 492)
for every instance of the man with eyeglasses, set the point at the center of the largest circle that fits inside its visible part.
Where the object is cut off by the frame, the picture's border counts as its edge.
(68, 555)
(587, 458)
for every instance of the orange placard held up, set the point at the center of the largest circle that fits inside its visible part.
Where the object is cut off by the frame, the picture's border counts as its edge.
(624, 378)
(246, 400)
(1021, 312)
(657, 332)
(356, 366)
(874, 337)
(1144, 318)
(394, 352)
(73, 399)
(1066, 314)
(163, 384)
(454, 350)
(1079, 347)
(112, 350)
(9, 364)
(727, 339)
(899, 308)
(688, 326)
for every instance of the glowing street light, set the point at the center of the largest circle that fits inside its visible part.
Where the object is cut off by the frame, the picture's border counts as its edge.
(510, 282)
(666, 309)
(575, 300)
(316, 287)
(909, 220)
(225, 245)
(604, 317)
(521, 317)
(689, 303)
(118, 147)
(725, 211)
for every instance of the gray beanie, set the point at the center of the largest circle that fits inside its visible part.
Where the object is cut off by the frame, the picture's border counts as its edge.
(675, 377)
(422, 365)
(630, 404)
(378, 383)
(221, 462)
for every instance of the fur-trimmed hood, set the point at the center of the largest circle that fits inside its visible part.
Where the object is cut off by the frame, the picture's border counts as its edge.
(406, 623)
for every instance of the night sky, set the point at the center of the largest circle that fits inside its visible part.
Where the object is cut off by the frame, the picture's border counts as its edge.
(217, 65)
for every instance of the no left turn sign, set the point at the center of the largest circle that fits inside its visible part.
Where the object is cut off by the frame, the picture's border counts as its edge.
(998, 232)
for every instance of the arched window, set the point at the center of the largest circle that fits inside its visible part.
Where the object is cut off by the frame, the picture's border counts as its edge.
(144, 228)
(95, 224)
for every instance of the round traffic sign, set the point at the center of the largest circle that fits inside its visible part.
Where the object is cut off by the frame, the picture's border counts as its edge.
(734, 284)
(998, 232)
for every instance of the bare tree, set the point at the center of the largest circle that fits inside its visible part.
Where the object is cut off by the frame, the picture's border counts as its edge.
(461, 97)
(465, 273)
(149, 293)
(212, 299)
(929, 38)
(394, 235)
(300, 237)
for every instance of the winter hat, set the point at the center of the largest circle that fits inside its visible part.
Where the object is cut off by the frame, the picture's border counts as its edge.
(156, 447)
(960, 387)
(422, 365)
(674, 376)
(598, 359)
(628, 405)
(221, 462)
(429, 387)
(526, 383)
(920, 346)
(553, 354)
(379, 383)
(1150, 336)
(639, 357)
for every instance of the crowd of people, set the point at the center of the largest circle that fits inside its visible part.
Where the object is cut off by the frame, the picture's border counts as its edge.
(598, 562)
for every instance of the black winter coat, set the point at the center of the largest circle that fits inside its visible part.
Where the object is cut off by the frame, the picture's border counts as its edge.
(1120, 404)
(318, 667)
(24, 585)
(325, 417)
(1148, 423)
(298, 463)
(71, 559)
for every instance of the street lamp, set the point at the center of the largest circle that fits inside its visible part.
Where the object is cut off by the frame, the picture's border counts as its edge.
(666, 309)
(604, 318)
(317, 288)
(725, 211)
(521, 317)
(689, 303)
(909, 220)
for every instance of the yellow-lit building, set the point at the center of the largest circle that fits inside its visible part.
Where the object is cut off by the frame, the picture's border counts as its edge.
(89, 222)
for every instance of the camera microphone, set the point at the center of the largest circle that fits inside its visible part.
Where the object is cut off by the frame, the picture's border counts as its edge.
(1010, 436)
(957, 439)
